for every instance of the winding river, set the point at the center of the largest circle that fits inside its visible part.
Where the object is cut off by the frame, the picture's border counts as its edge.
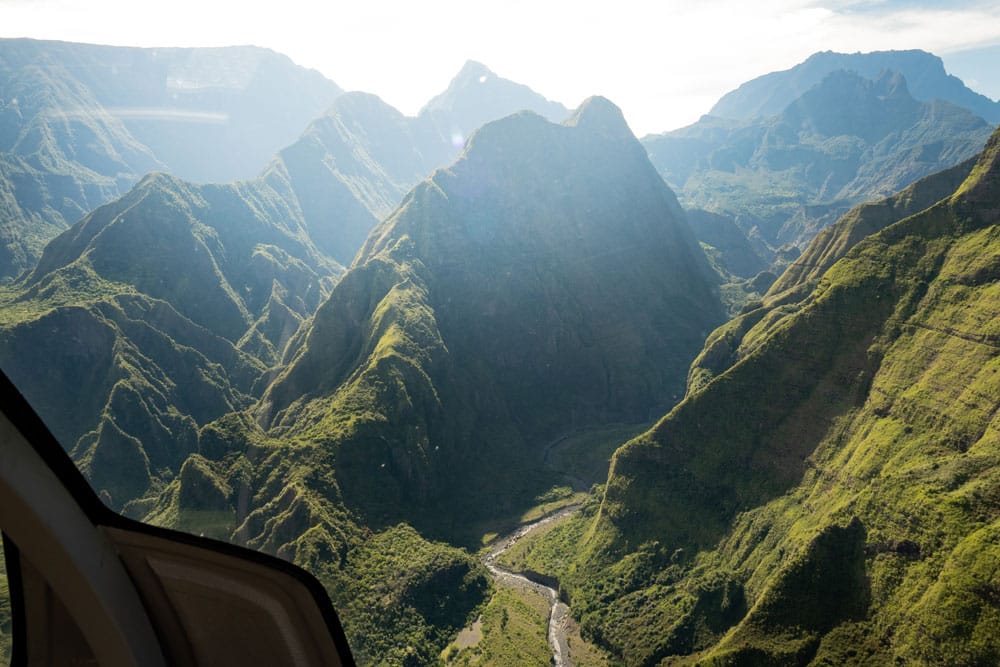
(558, 611)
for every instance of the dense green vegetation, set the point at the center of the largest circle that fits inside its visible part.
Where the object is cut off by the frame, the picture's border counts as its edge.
(832, 497)
(784, 177)
(498, 308)
(424, 592)
(400, 597)
(147, 330)
(512, 631)
(398, 401)
(740, 336)
(165, 308)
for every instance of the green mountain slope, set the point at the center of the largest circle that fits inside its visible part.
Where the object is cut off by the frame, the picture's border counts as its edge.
(155, 315)
(740, 336)
(831, 498)
(546, 281)
(842, 142)
(508, 300)
(400, 597)
(770, 94)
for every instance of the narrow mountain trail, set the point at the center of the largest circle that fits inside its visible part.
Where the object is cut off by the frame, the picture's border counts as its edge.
(558, 611)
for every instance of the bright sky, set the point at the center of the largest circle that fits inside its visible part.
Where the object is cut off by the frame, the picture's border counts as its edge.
(663, 62)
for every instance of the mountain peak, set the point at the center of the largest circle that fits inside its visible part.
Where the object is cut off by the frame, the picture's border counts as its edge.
(478, 95)
(473, 69)
(983, 184)
(600, 114)
(892, 83)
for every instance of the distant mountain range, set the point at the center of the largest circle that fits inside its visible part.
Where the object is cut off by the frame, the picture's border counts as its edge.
(211, 274)
(80, 124)
(846, 140)
(769, 94)
(206, 114)
(486, 315)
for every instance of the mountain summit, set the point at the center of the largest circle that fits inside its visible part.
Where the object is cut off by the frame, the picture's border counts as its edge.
(544, 282)
(476, 96)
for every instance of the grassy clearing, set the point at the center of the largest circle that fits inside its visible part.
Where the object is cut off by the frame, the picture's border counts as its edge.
(514, 626)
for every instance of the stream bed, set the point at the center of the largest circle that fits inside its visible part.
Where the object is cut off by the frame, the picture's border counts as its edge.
(558, 611)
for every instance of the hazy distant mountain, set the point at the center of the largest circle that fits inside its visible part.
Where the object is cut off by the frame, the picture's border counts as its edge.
(476, 96)
(80, 124)
(207, 114)
(844, 141)
(770, 94)
(355, 163)
(362, 156)
(243, 263)
(831, 497)
(725, 244)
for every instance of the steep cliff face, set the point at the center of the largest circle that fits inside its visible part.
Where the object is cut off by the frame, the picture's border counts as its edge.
(358, 161)
(832, 496)
(545, 281)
